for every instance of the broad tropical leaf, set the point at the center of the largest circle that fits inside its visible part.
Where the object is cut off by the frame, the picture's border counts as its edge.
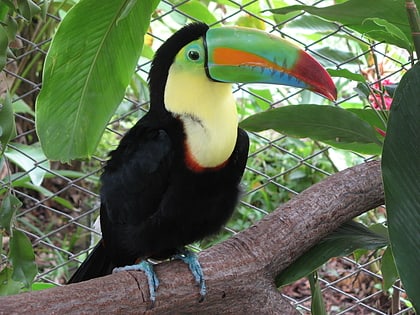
(401, 176)
(342, 242)
(87, 69)
(333, 125)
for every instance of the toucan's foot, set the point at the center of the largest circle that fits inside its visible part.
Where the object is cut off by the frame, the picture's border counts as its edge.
(191, 260)
(147, 268)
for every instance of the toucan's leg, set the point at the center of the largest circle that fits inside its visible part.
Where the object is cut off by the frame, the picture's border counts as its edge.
(191, 260)
(147, 268)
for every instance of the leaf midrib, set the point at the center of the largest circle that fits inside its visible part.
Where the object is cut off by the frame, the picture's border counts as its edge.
(90, 71)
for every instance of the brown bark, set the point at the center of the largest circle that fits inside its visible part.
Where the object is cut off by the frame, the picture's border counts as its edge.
(239, 272)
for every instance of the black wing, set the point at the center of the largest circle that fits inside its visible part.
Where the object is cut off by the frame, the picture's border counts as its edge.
(133, 183)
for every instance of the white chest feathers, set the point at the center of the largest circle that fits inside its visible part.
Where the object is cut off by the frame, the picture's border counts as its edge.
(208, 112)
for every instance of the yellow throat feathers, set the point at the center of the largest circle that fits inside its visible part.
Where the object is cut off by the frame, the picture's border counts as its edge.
(208, 112)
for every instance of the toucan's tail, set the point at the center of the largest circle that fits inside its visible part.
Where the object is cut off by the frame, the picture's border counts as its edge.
(97, 264)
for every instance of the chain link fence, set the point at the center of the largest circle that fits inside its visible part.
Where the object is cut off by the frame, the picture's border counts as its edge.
(60, 201)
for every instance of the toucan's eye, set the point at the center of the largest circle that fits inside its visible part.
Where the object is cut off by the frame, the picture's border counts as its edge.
(193, 55)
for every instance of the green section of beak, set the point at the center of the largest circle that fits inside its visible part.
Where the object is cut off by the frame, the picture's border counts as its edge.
(251, 56)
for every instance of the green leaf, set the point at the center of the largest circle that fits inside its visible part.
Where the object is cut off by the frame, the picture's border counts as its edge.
(4, 10)
(338, 55)
(380, 229)
(22, 257)
(7, 122)
(38, 286)
(344, 73)
(333, 125)
(388, 32)
(388, 269)
(262, 98)
(44, 191)
(401, 177)
(197, 10)
(88, 67)
(147, 52)
(363, 90)
(20, 179)
(128, 6)
(28, 8)
(362, 148)
(250, 21)
(11, 27)
(8, 286)
(354, 13)
(8, 30)
(373, 118)
(21, 107)
(313, 24)
(30, 158)
(9, 205)
(4, 44)
(342, 242)
(317, 302)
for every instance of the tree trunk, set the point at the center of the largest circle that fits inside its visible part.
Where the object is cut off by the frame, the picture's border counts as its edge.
(239, 272)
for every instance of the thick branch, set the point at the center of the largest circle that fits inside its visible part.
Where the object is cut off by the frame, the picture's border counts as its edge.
(239, 272)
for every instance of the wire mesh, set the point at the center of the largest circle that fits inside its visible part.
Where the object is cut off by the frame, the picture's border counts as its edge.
(60, 201)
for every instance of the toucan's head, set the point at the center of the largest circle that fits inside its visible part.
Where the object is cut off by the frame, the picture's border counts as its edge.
(191, 78)
(242, 55)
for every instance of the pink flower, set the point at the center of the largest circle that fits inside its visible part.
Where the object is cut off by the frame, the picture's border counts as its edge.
(380, 99)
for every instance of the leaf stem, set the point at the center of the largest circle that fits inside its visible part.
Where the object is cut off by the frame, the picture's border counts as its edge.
(414, 20)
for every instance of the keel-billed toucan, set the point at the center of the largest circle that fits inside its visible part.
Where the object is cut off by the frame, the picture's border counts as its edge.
(174, 177)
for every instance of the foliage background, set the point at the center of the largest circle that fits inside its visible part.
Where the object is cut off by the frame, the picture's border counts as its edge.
(57, 203)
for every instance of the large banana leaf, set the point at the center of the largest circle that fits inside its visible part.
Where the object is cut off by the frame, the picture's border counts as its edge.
(88, 67)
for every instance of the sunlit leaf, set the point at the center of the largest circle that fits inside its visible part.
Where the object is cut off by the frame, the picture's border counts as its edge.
(197, 10)
(126, 9)
(250, 21)
(312, 23)
(30, 158)
(344, 73)
(38, 286)
(88, 67)
(388, 32)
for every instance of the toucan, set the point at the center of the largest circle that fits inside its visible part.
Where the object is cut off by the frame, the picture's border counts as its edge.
(174, 177)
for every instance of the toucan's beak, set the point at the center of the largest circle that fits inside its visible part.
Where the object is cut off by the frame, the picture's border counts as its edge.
(245, 55)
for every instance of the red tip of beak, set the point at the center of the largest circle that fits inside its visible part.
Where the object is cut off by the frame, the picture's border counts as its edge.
(317, 78)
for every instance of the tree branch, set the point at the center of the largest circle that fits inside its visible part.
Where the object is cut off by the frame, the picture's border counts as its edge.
(239, 272)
